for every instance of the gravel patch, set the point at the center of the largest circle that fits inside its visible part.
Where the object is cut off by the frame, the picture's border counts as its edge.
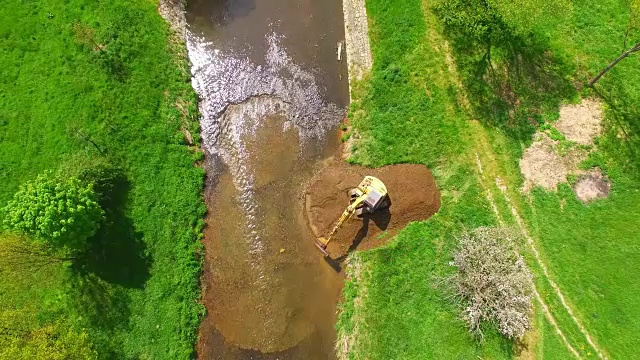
(356, 29)
(174, 12)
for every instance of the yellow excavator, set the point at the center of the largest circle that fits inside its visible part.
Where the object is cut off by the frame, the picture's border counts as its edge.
(369, 196)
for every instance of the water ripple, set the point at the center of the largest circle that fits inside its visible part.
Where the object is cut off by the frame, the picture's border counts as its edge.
(236, 95)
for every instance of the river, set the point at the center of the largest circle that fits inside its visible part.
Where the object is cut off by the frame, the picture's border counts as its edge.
(272, 93)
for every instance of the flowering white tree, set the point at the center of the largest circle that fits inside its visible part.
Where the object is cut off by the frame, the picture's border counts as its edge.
(492, 281)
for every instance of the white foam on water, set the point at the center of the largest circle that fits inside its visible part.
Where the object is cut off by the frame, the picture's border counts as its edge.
(236, 95)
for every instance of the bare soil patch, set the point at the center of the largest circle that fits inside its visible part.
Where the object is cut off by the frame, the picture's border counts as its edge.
(592, 186)
(581, 122)
(412, 190)
(543, 164)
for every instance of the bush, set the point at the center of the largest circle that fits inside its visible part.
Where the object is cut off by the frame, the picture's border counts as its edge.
(63, 212)
(492, 281)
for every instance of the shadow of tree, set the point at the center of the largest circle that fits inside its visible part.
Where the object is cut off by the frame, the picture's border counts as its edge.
(104, 308)
(117, 253)
(115, 261)
(511, 80)
(625, 115)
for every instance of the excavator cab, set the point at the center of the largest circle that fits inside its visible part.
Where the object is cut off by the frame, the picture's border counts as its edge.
(369, 196)
(375, 199)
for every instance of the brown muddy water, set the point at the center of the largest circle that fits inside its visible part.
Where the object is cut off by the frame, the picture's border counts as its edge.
(271, 96)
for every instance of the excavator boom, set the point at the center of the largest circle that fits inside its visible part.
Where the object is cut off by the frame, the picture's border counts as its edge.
(322, 242)
(347, 214)
(371, 193)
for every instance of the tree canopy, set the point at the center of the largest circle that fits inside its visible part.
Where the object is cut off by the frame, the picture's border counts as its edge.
(63, 212)
(49, 342)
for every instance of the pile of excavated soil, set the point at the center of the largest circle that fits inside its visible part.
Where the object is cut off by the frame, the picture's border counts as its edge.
(412, 190)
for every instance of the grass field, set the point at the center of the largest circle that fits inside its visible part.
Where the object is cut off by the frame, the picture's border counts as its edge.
(103, 78)
(417, 107)
(591, 248)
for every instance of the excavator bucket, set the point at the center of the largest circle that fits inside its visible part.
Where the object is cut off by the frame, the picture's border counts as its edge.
(321, 245)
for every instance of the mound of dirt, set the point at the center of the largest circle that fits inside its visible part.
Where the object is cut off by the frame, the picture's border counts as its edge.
(413, 194)
(592, 186)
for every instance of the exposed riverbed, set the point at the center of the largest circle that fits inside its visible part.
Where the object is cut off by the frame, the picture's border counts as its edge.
(271, 96)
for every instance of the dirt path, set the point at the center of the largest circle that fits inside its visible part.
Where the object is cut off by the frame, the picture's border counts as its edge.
(504, 192)
(544, 307)
(545, 271)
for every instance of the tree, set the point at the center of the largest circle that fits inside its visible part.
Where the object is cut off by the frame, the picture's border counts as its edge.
(632, 28)
(20, 255)
(492, 281)
(49, 342)
(62, 212)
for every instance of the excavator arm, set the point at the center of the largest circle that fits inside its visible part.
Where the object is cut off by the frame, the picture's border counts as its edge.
(346, 215)
(369, 196)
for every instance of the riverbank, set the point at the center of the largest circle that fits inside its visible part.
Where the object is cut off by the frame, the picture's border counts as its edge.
(356, 33)
(418, 106)
(127, 98)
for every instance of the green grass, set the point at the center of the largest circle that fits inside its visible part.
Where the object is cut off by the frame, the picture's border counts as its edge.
(551, 346)
(404, 111)
(412, 110)
(590, 248)
(136, 297)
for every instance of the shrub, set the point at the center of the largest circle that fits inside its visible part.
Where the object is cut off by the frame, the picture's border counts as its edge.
(62, 212)
(492, 281)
